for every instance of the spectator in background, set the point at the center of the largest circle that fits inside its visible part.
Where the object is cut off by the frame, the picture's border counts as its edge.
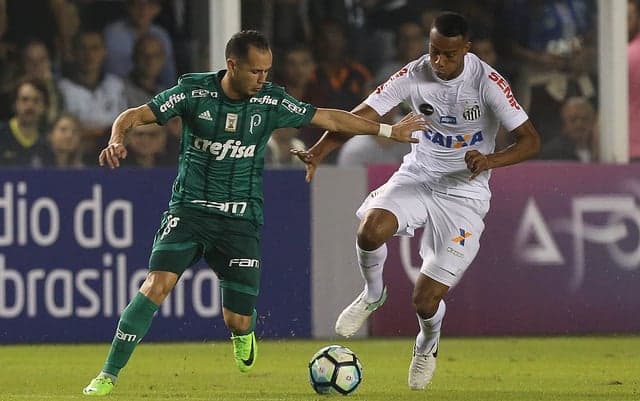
(7, 65)
(4, 45)
(410, 44)
(94, 97)
(346, 79)
(36, 63)
(121, 36)
(366, 25)
(633, 55)
(278, 148)
(554, 41)
(376, 150)
(427, 15)
(144, 80)
(34, 19)
(63, 143)
(147, 147)
(483, 47)
(22, 137)
(297, 73)
(578, 138)
(63, 56)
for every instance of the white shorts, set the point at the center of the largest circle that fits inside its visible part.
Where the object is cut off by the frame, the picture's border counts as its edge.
(452, 224)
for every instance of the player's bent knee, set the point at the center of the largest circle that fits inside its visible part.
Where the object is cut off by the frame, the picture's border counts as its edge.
(376, 228)
(158, 285)
(425, 304)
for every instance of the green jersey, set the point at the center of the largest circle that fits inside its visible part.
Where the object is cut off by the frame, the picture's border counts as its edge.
(223, 142)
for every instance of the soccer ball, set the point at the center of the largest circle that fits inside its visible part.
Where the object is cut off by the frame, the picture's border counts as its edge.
(335, 370)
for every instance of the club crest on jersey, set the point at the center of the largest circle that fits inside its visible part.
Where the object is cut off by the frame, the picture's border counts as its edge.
(453, 141)
(231, 123)
(471, 112)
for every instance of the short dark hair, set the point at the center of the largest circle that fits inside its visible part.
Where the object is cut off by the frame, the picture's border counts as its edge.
(451, 24)
(77, 39)
(37, 83)
(240, 42)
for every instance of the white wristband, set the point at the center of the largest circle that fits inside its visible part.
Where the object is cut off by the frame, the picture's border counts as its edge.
(385, 130)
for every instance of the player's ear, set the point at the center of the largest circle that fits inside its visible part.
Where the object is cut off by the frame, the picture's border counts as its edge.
(231, 65)
(467, 47)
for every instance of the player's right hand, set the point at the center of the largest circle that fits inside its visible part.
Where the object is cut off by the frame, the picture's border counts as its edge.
(112, 154)
(309, 161)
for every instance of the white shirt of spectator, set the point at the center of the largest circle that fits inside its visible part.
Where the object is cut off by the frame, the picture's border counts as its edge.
(463, 114)
(96, 108)
(362, 150)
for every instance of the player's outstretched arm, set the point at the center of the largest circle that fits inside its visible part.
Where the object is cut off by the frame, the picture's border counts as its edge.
(333, 140)
(349, 123)
(127, 120)
(526, 146)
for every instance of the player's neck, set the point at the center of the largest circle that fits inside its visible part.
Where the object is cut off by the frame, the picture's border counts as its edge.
(456, 73)
(228, 90)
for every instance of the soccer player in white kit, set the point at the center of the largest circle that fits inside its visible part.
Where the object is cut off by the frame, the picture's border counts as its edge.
(442, 184)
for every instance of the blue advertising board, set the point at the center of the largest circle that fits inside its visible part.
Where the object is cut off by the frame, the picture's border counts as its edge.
(74, 248)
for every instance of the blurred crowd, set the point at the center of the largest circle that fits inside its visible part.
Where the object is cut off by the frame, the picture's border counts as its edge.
(67, 70)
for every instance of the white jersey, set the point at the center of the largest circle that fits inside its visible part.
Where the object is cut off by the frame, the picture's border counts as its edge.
(462, 114)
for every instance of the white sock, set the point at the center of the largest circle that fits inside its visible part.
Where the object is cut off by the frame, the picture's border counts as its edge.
(371, 264)
(430, 330)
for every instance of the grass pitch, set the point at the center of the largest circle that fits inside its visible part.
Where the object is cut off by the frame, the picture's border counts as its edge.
(495, 369)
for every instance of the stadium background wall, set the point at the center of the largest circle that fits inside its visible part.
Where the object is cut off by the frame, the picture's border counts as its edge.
(74, 247)
(560, 255)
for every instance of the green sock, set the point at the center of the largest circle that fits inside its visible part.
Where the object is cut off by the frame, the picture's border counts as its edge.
(133, 325)
(252, 326)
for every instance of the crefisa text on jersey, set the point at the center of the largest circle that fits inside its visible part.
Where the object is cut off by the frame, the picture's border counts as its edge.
(266, 99)
(174, 99)
(234, 148)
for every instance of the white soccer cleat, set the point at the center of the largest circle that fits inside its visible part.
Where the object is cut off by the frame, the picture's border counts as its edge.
(354, 315)
(422, 368)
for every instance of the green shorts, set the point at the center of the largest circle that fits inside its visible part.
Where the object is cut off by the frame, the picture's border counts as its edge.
(230, 246)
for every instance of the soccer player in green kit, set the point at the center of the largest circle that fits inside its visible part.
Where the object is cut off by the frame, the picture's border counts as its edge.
(215, 209)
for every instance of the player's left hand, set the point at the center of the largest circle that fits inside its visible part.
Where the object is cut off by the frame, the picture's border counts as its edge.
(309, 161)
(476, 163)
(402, 130)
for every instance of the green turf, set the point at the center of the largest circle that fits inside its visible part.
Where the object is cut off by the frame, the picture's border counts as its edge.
(496, 369)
